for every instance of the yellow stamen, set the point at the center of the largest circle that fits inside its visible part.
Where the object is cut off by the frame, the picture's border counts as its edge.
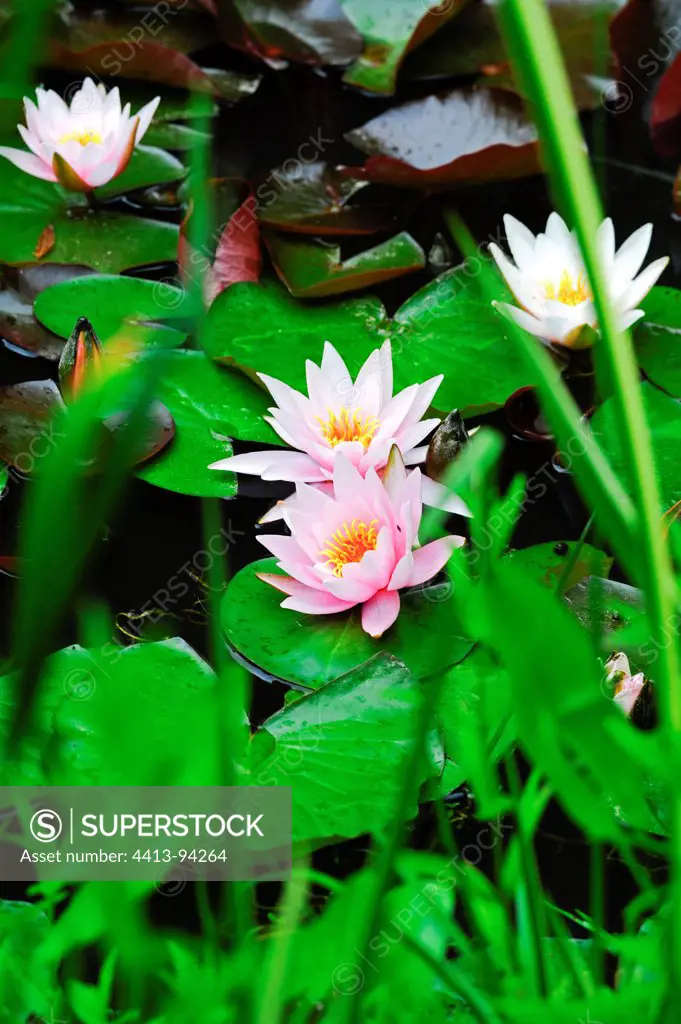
(83, 137)
(569, 293)
(350, 544)
(344, 427)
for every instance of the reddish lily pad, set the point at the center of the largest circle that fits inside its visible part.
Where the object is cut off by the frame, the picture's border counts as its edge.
(462, 137)
(666, 112)
(390, 29)
(30, 425)
(315, 199)
(312, 269)
(232, 252)
(307, 31)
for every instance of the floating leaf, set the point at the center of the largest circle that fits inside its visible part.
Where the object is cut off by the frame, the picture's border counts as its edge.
(390, 29)
(313, 649)
(462, 137)
(450, 325)
(658, 338)
(474, 46)
(314, 199)
(326, 747)
(141, 311)
(261, 328)
(107, 241)
(30, 425)
(303, 30)
(447, 325)
(148, 166)
(547, 563)
(18, 324)
(210, 406)
(312, 269)
(664, 420)
(84, 732)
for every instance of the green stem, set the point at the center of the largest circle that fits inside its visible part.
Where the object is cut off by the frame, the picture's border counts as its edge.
(533, 42)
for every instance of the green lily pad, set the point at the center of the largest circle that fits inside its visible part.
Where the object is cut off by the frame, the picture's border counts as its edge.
(664, 420)
(259, 327)
(107, 241)
(450, 326)
(327, 744)
(658, 338)
(210, 406)
(141, 311)
(313, 649)
(547, 562)
(148, 166)
(312, 269)
(447, 326)
(84, 733)
(390, 29)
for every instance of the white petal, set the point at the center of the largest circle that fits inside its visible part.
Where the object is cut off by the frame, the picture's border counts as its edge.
(520, 240)
(630, 257)
(558, 231)
(146, 116)
(606, 244)
(28, 162)
(637, 291)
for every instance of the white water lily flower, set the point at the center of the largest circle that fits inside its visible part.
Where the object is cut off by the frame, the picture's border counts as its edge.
(550, 283)
(361, 421)
(84, 145)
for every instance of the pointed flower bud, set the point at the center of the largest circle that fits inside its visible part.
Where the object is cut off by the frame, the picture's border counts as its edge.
(81, 359)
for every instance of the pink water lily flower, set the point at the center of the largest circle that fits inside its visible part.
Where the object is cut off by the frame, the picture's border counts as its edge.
(549, 281)
(625, 686)
(356, 546)
(84, 145)
(359, 421)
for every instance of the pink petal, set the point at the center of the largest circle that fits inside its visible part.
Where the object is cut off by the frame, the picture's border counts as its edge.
(436, 495)
(380, 612)
(430, 559)
(302, 598)
(291, 557)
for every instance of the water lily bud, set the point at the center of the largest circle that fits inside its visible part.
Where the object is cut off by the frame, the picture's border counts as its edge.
(81, 359)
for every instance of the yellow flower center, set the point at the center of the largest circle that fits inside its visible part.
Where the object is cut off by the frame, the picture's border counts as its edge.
(83, 137)
(569, 293)
(345, 427)
(350, 544)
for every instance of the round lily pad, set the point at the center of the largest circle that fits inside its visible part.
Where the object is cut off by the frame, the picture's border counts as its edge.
(313, 649)
(143, 311)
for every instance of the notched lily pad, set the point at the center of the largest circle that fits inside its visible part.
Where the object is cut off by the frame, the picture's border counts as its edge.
(547, 563)
(658, 339)
(313, 649)
(390, 29)
(307, 31)
(142, 311)
(18, 325)
(314, 199)
(313, 269)
(462, 137)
